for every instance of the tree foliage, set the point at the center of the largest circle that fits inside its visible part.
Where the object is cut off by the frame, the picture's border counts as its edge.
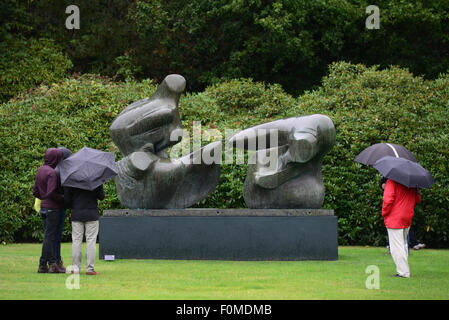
(289, 42)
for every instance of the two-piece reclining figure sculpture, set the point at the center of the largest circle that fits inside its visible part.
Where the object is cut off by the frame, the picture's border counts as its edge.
(286, 171)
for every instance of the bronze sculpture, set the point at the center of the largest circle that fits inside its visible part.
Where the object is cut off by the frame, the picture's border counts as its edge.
(286, 172)
(147, 178)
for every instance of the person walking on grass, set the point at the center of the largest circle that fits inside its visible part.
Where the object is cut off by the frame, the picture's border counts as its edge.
(47, 188)
(85, 216)
(398, 210)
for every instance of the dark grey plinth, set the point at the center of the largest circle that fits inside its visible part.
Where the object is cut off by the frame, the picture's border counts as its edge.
(220, 234)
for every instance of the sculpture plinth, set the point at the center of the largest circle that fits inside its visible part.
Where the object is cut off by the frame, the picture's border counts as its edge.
(220, 234)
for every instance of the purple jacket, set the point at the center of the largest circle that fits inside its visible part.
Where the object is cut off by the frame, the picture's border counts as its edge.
(47, 185)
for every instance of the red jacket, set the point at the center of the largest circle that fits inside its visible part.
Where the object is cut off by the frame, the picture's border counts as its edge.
(399, 204)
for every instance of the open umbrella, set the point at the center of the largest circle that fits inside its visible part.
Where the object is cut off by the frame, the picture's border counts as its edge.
(408, 173)
(87, 169)
(370, 155)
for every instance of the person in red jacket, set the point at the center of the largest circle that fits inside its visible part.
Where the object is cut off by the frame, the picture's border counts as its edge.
(398, 210)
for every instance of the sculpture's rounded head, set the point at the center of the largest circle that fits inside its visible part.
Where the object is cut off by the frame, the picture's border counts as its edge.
(175, 83)
(306, 136)
(303, 146)
(311, 136)
(150, 121)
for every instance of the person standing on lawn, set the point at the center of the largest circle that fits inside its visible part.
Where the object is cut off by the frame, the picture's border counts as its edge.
(398, 210)
(84, 222)
(411, 239)
(47, 188)
(62, 214)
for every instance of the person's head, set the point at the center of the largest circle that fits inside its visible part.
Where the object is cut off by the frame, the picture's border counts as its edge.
(52, 157)
(65, 152)
(382, 183)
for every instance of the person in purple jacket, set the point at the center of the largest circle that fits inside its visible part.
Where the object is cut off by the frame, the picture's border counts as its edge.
(47, 188)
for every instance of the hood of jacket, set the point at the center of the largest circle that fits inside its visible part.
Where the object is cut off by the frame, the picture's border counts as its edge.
(52, 157)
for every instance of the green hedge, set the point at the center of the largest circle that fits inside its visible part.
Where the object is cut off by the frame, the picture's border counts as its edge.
(367, 105)
(27, 63)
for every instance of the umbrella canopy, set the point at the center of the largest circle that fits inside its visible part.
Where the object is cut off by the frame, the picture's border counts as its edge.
(408, 173)
(370, 155)
(87, 169)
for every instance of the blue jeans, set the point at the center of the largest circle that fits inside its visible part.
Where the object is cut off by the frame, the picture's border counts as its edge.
(53, 221)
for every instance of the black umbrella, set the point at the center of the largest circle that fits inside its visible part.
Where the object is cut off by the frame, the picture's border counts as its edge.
(408, 173)
(87, 169)
(370, 155)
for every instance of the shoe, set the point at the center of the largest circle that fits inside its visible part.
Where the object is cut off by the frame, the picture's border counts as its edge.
(75, 272)
(397, 275)
(419, 246)
(92, 273)
(54, 269)
(61, 267)
(42, 269)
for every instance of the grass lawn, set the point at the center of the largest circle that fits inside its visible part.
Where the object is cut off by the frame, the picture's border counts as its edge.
(222, 280)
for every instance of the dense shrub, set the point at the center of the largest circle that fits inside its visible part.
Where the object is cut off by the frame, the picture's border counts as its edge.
(255, 97)
(27, 63)
(367, 106)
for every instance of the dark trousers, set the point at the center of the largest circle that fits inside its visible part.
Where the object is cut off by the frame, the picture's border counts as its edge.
(51, 219)
(57, 246)
(412, 239)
